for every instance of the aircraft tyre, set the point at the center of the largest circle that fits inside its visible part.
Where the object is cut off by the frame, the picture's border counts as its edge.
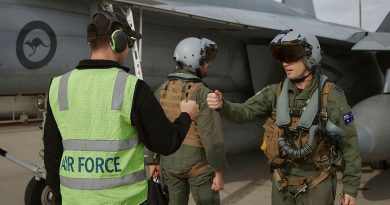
(37, 193)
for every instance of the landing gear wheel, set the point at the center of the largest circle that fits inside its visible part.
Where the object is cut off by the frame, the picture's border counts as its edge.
(38, 193)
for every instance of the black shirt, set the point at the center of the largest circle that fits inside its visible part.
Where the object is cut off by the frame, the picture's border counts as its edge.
(155, 130)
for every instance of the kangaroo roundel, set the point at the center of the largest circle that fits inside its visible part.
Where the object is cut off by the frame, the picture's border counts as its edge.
(36, 45)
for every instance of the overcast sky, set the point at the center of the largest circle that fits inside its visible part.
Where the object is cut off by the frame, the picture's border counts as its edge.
(347, 12)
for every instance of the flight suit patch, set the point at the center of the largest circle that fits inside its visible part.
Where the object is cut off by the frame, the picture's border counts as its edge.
(348, 118)
(338, 88)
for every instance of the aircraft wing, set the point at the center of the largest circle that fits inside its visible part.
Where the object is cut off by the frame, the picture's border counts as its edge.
(374, 41)
(251, 20)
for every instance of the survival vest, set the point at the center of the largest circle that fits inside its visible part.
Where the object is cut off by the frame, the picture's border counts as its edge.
(297, 129)
(180, 86)
(102, 162)
(286, 136)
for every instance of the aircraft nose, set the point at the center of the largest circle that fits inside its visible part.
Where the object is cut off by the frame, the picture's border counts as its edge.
(365, 144)
(372, 118)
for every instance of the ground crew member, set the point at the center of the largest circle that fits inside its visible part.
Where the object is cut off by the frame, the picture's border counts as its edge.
(310, 126)
(98, 120)
(197, 165)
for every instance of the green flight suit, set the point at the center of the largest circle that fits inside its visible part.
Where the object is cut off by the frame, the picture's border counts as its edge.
(175, 167)
(262, 104)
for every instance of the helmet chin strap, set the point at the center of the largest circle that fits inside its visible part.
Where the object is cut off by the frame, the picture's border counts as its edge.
(301, 79)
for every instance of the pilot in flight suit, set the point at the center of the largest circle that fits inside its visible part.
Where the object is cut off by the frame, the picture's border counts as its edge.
(309, 128)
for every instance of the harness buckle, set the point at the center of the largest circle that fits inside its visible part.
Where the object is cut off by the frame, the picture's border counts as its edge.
(280, 181)
(302, 189)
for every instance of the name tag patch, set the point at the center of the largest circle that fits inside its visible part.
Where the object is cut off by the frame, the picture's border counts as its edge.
(90, 164)
(348, 118)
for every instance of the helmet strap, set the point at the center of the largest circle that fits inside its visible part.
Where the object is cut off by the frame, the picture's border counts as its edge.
(301, 79)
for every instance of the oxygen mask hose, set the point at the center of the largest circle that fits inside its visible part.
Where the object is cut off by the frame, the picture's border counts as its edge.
(306, 149)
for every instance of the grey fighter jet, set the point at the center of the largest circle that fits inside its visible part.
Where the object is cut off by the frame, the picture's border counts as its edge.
(41, 39)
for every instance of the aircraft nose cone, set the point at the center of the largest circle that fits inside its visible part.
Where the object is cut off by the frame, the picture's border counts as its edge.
(372, 118)
(365, 145)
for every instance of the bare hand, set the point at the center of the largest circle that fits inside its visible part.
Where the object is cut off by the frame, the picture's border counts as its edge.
(154, 170)
(348, 200)
(214, 100)
(217, 182)
(190, 107)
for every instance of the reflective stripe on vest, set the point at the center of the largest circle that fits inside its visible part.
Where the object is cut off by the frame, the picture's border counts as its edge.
(117, 97)
(104, 183)
(63, 92)
(100, 145)
(119, 89)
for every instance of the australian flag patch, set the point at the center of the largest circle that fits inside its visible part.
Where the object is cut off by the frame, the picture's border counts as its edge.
(348, 118)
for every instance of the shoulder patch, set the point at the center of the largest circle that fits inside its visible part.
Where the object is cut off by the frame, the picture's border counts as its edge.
(338, 89)
(348, 118)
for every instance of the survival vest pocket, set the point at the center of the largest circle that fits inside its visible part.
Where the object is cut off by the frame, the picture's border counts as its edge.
(271, 136)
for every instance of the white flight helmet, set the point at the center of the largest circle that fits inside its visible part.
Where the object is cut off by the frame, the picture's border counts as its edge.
(291, 45)
(194, 52)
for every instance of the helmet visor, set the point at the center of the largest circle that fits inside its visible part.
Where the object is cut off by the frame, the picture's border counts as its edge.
(208, 50)
(287, 53)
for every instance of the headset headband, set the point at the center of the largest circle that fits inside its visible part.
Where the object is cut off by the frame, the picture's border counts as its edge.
(111, 17)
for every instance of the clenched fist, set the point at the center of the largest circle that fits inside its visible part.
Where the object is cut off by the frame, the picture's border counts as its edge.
(217, 182)
(214, 100)
(190, 107)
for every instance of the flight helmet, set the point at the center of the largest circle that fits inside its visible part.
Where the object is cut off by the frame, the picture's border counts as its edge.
(292, 45)
(194, 52)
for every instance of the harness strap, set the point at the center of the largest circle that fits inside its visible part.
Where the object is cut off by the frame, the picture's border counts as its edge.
(311, 110)
(325, 92)
(305, 183)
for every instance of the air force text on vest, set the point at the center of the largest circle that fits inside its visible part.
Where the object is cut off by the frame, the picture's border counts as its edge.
(90, 164)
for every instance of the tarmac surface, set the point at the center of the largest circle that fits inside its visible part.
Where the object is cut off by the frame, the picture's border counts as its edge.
(246, 179)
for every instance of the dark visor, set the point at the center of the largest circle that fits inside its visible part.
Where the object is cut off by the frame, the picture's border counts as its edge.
(287, 53)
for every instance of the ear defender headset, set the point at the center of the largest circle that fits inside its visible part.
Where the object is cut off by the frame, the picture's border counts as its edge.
(118, 38)
(118, 41)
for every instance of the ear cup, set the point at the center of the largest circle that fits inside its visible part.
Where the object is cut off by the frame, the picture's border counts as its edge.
(118, 41)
